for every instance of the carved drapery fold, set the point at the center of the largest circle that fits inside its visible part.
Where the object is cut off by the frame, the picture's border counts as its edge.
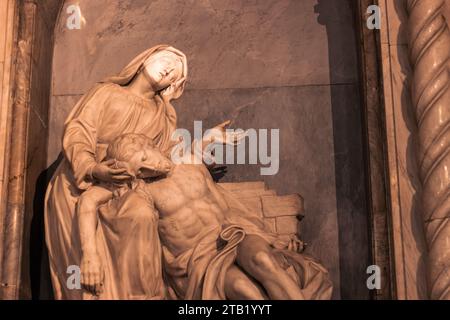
(429, 43)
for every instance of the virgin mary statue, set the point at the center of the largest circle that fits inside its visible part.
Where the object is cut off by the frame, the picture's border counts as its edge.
(121, 256)
(127, 246)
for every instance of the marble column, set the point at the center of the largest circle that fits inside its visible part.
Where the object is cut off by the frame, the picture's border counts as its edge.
(429, 44)
(407, 245)
(14, 213)
(8, 31)
(24, 121)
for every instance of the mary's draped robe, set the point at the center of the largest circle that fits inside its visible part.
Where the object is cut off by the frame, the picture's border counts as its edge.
(127, 238)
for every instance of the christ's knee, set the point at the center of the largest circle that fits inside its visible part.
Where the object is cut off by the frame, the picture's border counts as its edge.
(239, 286)
(264, 262)
(242, 287)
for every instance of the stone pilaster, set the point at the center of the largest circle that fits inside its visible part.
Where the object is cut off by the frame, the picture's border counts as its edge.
(8, 34)
(24, 121)
(14, 214)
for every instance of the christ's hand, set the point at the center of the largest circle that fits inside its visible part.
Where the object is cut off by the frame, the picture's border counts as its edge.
(92, 274)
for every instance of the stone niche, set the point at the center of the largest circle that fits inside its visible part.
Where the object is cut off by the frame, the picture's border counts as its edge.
(273, 64)
(339, 92)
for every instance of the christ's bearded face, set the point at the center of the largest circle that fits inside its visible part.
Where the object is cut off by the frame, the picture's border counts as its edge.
(138, 154)
(149, 163)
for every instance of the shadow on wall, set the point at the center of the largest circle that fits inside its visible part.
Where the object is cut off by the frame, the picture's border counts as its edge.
(41, 287)
(352, 215)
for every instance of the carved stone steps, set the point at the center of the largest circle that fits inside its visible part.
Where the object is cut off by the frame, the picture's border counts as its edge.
(232, 186)
(276, 206)
(282, 214)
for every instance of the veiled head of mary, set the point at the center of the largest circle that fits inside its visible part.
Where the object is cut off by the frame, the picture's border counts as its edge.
(164, 67)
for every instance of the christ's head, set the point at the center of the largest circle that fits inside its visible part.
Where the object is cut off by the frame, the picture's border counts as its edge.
(139, 155)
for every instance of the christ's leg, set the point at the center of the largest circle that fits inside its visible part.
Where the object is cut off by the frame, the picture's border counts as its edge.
(239, 286)
(256, 258)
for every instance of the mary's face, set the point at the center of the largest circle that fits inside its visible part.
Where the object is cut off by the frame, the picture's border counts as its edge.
(162, 69)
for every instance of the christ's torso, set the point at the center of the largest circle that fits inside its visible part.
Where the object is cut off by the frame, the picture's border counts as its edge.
(187, 207)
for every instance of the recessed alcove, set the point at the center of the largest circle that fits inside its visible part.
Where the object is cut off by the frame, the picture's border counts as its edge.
(288, 65)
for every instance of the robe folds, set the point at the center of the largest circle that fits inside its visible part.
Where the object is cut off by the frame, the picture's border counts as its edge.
(106, 112)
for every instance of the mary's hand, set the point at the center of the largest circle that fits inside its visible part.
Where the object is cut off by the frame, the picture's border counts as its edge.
(173, 91)
(92, 274)
(105, 172)
(219, 135)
